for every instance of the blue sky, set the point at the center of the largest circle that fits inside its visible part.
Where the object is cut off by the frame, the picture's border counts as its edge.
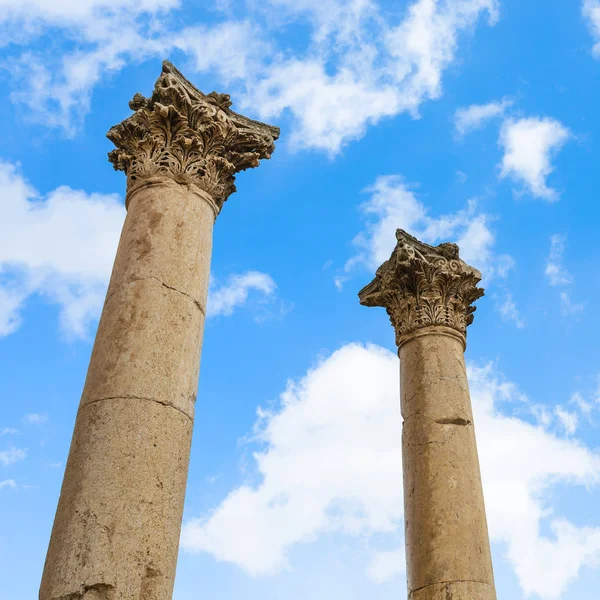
(472, 121)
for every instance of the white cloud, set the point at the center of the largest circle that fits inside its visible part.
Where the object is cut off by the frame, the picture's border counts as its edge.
(11, 483)
(591, 12)
(474, 116)
(529, 145)
(61, 12)
(57, 90)
(12, 455)
(558, 275)
(568, 307)
(508, 310)
(61, 246)
(9, 431)
(568, 420)
(386, 564)
(330, 463)
(584, 406)
(380, 69)
(35, 418)
(393, 204)
(555, 270)
(224, 299)
(357, 67)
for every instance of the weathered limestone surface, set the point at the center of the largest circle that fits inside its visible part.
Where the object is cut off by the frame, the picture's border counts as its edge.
(116, 531)
(428, 294)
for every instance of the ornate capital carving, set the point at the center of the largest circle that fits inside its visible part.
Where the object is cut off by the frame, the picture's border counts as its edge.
(188, 136)
(422, 286)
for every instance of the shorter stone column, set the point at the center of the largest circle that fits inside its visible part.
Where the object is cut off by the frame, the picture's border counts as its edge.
(428, 292)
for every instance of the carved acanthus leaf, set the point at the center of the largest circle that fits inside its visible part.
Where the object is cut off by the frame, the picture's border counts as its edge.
(422, 286)
(190, 137)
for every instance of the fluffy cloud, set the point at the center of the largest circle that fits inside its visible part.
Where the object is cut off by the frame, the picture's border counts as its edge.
(223, 299)
(591, 12)
(529, 145)
(61, 246)
(474, 116)
(371, 79)
(393, 204)
(330, 463)
(357, 68)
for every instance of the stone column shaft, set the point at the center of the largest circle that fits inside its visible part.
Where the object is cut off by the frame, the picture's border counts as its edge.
(447, 546)
(117, 526)
(428, 294)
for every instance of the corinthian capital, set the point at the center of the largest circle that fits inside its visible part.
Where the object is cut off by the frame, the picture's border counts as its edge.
(423, 286)
(190, 137)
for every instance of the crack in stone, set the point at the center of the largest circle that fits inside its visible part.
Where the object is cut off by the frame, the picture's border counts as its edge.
(443, 421)
(453, 421)
(410, 595)
(198, 305)
(161, 402)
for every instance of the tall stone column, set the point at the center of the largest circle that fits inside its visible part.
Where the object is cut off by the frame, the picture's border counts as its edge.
(117, 526)
(428, 294)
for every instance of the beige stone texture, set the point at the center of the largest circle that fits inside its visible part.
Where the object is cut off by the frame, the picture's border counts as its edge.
(446, 529)
(137, 354)
(117, 525)
(456, 590)
(116, 531)
(428, 293)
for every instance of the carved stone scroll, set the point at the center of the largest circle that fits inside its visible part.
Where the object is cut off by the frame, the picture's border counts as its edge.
(190, 137)
(422, 286)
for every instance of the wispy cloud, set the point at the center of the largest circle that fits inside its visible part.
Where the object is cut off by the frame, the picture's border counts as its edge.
(559, 276)
(568, 420)
(476, 115)
(509, 311)
(393, 204)
(35, 418)
(12, 455)
(568, 307)
(9, 431)
(358, 67)
(555, 271)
